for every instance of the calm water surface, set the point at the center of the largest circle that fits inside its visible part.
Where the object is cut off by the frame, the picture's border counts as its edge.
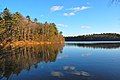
(71, 61)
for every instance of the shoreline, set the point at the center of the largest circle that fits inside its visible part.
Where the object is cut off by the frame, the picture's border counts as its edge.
(29, 43)
(92, 42)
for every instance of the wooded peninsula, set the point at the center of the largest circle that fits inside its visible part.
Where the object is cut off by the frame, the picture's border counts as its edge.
(15, 29)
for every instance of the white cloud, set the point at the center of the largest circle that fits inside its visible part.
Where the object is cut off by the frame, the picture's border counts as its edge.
(62, 25)
(69, 14)
(74, 10)
(84, 7)
(85, 27)
(80, 8)
(56, 8)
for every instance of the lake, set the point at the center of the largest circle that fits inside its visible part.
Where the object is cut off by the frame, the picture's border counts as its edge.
(69, 61)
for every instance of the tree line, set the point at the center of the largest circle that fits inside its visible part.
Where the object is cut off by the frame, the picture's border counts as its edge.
(95, 37)
(16, 27)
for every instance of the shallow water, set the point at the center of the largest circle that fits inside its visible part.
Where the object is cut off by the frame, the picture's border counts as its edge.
(72, 61)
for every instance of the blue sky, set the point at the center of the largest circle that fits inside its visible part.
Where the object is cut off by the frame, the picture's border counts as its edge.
(72, 17)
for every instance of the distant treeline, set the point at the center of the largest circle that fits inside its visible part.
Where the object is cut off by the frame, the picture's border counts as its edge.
(95, 37)
(16, 27)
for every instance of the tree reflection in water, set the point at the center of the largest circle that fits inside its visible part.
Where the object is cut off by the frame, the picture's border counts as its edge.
(13, 61)
(96, 45)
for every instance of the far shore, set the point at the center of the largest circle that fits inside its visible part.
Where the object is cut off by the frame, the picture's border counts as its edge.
(89, 42)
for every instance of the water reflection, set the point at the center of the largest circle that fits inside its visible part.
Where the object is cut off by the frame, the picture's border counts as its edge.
(96, 45)
(75, 63)
(13, 61)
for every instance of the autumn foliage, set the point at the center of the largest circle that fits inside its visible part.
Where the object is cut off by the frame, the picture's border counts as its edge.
(14, 27)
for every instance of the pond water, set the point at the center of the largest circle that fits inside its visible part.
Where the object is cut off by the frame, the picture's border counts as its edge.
(69, 61)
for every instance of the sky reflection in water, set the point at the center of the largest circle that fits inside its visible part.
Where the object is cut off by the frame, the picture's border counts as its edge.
(58, 62)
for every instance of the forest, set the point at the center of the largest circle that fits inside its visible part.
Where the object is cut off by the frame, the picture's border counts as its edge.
(95, 37)
(15, 28)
